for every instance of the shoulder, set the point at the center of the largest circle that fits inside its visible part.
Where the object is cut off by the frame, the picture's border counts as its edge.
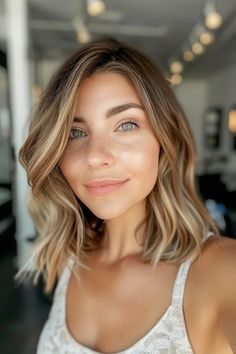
(216, 264)
(219, 252)
(218, 260)
(219, 266)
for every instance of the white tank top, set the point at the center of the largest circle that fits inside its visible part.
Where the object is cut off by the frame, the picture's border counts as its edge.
(168, 336)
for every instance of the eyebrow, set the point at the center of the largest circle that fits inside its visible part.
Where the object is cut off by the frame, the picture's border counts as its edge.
(114, 110)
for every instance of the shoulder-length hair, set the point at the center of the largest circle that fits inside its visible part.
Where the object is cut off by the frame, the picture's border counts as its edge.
(177, 219)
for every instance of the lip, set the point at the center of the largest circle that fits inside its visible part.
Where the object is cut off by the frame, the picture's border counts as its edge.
(104, 182)
(106, 186)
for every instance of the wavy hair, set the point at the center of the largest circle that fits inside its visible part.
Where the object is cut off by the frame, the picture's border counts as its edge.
(177, 219)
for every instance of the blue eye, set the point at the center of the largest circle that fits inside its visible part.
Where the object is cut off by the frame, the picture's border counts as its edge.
(129, 125)
(76, 133)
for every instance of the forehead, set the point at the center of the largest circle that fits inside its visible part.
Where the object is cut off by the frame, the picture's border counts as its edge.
(106, 86)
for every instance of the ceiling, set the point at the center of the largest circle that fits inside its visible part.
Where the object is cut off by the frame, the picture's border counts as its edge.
(157, 27)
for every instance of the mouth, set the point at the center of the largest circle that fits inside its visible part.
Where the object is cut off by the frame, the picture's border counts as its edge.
(104, 187)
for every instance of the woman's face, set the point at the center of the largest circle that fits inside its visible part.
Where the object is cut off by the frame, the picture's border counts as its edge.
(111, 139)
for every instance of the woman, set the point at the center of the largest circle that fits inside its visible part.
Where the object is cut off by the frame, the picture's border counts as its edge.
(111, 161)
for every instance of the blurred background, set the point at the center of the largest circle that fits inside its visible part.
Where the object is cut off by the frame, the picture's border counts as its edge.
(194, 43)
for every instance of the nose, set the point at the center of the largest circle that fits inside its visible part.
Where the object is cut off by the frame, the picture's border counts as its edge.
(99, 153)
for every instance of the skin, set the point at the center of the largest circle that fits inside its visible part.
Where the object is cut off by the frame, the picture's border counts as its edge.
(121, 289)
(115, 306)
(106, 151)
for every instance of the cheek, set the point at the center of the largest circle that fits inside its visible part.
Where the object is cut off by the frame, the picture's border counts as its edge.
(69, 167)
(151, 163)
(143, 156)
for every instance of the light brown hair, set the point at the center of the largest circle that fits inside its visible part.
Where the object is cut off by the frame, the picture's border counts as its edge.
(177, 219)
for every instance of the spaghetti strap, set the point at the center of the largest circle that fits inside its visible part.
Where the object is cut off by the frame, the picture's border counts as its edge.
(179, 285)
(210, 233)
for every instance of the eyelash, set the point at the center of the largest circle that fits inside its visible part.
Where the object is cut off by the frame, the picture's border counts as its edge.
(77, 129)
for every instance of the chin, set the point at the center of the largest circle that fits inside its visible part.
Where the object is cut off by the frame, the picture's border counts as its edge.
(112, 208)
(108, 211)
(107, 215)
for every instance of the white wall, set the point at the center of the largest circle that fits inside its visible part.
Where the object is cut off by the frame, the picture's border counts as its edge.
(45, 68)
(5, 152)
(196, 96)
(192, 95)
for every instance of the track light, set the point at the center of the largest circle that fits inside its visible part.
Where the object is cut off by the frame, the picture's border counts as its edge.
(213, 19)
(188, 55)
(176, 79)
(82, 32)
(199, 38)
(95, 7)
(83, 36)
(206, 37)
(197, 48)
(176, 67)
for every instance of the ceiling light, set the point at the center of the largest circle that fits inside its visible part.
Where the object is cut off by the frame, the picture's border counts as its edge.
(95, 7)
(188, 55)
(83, 36)
(82, 33)
(197, 48)
(213, 19)
(207, 38)
(176, 67)
(175, 79)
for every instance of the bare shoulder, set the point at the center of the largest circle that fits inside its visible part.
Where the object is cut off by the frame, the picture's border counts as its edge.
(219, 261)
(220, 252)
(213, 274)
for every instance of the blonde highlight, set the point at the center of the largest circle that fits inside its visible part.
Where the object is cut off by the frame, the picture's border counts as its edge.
(177, 219)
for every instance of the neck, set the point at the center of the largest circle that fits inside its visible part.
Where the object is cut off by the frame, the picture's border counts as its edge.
(124, 235)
